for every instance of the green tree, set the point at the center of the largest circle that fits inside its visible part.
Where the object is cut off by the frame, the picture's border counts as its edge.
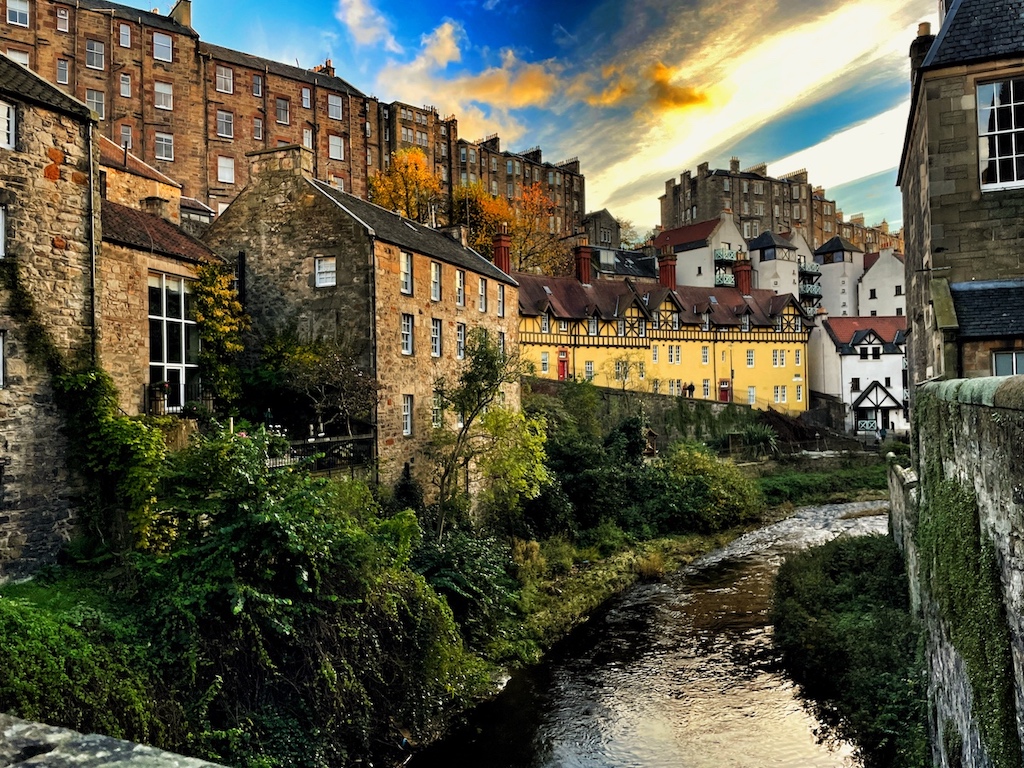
(334, 382)
(511, 465)
(221, 323)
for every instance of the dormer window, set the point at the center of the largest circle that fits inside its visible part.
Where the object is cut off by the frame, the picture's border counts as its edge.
(675, 321)
(545, 324)
(705, 321)
(592, 326)
(745, 323)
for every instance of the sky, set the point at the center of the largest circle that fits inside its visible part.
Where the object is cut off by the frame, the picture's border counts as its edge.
(638, 90)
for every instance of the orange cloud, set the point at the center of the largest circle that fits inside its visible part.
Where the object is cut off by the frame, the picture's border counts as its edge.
(513, 85)
(666, 95)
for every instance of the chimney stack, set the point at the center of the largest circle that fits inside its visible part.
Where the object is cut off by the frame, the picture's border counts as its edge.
(584, 264)
(158, 206)
(920, 47)
(743, 272)
(503, 251)
(667, 268)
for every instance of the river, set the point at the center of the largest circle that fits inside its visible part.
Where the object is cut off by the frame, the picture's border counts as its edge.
(677, 674)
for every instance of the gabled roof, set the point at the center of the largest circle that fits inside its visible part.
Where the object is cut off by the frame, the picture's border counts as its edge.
(769, 239)
(989, 308)
(397, 230)
(150, 19)
(277, 68)
(23, 84)
(114, 156)
(191, 204)
(838, 244)
(978, 30)
(687, 238)
(877, 395)
(849, 332)
(871, 258)
(145, 232)
(629, 263)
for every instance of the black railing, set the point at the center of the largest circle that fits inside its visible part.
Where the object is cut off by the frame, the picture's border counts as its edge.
(329, 455)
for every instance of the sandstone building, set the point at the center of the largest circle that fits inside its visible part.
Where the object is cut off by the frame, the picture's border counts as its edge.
(322, 263)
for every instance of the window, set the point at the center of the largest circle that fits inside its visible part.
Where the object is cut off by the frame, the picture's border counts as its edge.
(257, 85)
(124, 36)
(407, 338)
(164, 146)
(588, 370)
(334, 106)
(796, 358)
(18, 57)
(460, 341)
(62, 72)
(96, 101)
(326, 271)
(620, 327)
(173, 339)
(126, 136)
(876, 353)
(745, 323)
(654, 354)
(482, 303)
(435, 337)
(899, 290)
(405, 272)
(899, 311)
(592, 325)
(706, 388)
(163, 95)
(436, 412)
(406, 415)
(751, 395)
(872, 294)
(226, 170)
(705, 322)
(335, 147)
(855, 384)
(460, 287)
(799, 393)
(225, 124)
(544, 366)
(501, 306)
(545, 324)
(307, 138)
(1007, 363)
(620, 370)
(750, 358)
(17, 12)
(281, 110)
(671, 354)
(257, 127)
(1001, 133)
(63, 18)
(641, 370)
(307, 99)
(225, 79)
(94, 54)
(501, 342)
(435, 281)
(126, 85)
(704, 355)
(162, 47)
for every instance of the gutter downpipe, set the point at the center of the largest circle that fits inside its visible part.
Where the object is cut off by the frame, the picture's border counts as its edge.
(92, 246)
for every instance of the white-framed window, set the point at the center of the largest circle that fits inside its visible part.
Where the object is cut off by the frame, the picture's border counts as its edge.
(641, 369)
(257, 127)
(654, 354)
(257, 85)
(545, 323)
(620, 327)
(225, 170)
(751, 395)
(405, 271)
(775, 358)
(63, 19)
(777, 392)
(1007, 363)
(563, 326)
(799, 393)
(750, 358)
(124, 36)
(501, 306)
(592, 325)
(435, 337)
(307, 98)
(435, 281)
(62, 72)
(588, 370)
(325, 271)
(460, 287)
(620, 370)
(335, 147)
(482, 298)
(782, 358)
(705, 354)
(745, 323)
(796, 357)
(96, 100)
(1000, 123)
(17, 12)
(163, 48)
(407, 337)
(225, 79)
(783, 390)
(282, 110)
(706, 388)
(436, 412)
(163, 146)
(173, 339)
(126, 136)
(126, 85)
(671, 354)
(225, 124)
(307, 138)
(95, 54)
(545, 365)
(163, 95)
(406, 415)
(460, 341)
(334, 106)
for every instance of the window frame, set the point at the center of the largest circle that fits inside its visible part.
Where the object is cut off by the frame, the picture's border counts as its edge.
(436, 275)
(436, 332)
(128, 135)
(225, 169)
(63, 67)
(124, 31)
(325, 271)
(165, 140)
(335, 146)
(257, 85)
(13, 15)
(407, 406)
(282, 106)
(460, 341)
(188, 371)
(95, 98)
(257, 128)
(125, 84)
(163, 99)
(95, 50)
(63, 19)
(407, 331)
(405, 273)
(334, 100)
(163, 42)
(225, 124)
(460, 287)
(307, 97)
(482, 295)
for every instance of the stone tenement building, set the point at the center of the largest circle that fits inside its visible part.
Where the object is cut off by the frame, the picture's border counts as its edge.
(193, 110)
(326, 264)
(49, 235)
(761, 203)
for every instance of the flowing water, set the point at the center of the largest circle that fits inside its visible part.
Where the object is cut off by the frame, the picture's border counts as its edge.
(678, 674)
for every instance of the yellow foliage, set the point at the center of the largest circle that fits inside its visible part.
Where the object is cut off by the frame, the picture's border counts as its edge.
(408, 187)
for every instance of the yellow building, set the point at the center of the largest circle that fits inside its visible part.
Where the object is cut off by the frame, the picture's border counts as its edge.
(638, 333)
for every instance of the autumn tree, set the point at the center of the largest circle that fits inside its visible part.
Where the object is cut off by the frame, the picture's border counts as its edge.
(483, 215)
(221, 323)
(408, 186)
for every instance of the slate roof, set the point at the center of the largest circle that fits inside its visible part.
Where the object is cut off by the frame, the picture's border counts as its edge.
(20, 83)
(978, 30)
(145, 232)
(277, 68)
(629, 263)
(987, 309)
(769, 239)
(686, 238)
(838, 244)
(148, 18)
(849, 332)
(114, 156)
(871, 258)
(392, 228)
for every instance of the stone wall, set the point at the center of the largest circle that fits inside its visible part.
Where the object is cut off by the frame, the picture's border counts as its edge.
(969, 432)
(45, 314)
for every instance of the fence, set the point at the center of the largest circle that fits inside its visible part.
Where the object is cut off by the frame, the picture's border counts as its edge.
(350, 456)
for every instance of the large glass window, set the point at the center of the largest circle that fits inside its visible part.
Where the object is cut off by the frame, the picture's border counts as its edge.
(334, 106)
(163, 95)
(17, 12)
(164, 146)
(225, 79)
(173, 339)
(1001, 133)
(95, 54)
(225, 124)
(162, 47)
(1008, 363)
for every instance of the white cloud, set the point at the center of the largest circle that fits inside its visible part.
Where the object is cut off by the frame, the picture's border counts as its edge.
(367, 25)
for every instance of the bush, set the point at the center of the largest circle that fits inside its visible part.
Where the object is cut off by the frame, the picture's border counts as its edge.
(818, 487)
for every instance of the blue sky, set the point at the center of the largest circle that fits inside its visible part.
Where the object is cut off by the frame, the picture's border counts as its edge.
(639, 91)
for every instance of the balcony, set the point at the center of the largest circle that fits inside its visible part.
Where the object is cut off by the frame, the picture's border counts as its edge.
(867, 425)
(810, 268)
(810, 289)
(725, 280)
(723, 254)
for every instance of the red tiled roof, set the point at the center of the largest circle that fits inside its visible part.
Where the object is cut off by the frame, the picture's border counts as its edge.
(693, 235)
(145, 232)
(114, 156)
(885, 327)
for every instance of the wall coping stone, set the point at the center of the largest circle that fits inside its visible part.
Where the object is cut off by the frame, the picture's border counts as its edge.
(990, 391)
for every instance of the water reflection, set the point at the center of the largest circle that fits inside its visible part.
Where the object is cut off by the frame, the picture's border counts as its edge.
(678, 675)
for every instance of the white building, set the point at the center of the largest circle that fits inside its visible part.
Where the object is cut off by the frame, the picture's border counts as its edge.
(842, 264)
(705, 251)
(881, 285)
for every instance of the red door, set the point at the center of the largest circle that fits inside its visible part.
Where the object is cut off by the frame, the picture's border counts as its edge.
(724, 391)
(563, 365)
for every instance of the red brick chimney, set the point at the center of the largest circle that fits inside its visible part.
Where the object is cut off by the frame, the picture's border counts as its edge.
(667, 268)
(503, 251)
(584, 265)
(743, 273)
